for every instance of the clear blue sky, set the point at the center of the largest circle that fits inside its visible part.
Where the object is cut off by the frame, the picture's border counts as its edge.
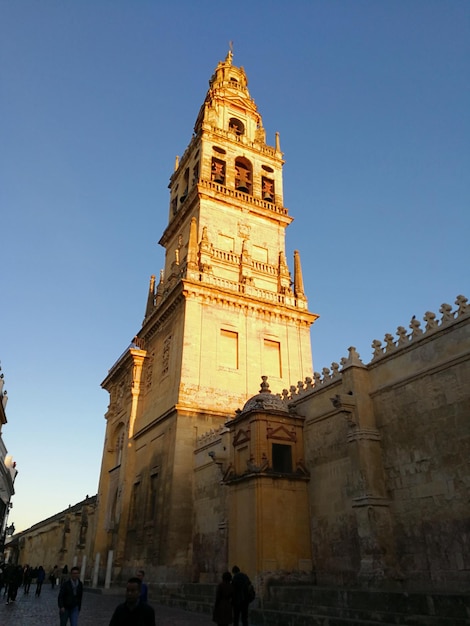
(372, 103)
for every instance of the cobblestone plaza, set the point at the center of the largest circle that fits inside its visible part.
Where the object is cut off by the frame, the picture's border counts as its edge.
(97, 610)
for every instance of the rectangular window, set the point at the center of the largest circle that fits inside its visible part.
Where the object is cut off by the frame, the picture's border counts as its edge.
(282, 458)
(260, 254)
(241, 460)
(228, 349)
(152, 502)
(272, 358)
(133, 516)
(226, 243)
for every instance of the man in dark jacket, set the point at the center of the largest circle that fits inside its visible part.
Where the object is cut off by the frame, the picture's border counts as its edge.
(70, 598)
(240, 584)
(133, 612)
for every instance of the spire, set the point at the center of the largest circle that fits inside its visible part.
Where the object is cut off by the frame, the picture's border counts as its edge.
(151, 298)
(278, 142)
(192, 245)
(284, 281)
(159, 293)
(298, 281)
(229, 57)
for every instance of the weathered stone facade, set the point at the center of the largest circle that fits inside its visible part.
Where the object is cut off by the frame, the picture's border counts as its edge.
(385, 449)
(355, 476)
(224, 312)
(8, 472)
(63, 539)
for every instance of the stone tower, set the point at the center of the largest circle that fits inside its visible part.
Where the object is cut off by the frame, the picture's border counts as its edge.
(224, 312)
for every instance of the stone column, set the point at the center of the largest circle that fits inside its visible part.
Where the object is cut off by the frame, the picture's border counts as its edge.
(370, 503)
(96, 569)
(109, 567)
(82, 570)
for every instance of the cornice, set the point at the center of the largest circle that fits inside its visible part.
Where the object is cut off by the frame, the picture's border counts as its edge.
(160, 315)
(211, 133)
(212, 294)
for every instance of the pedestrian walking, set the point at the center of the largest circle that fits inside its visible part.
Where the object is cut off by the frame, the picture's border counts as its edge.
(15, 578)
(54, 576)
(144, 593)
(243, 594)
(41, 575)
(70, 598)
(222, 614)
(27, 578)
(133, 612)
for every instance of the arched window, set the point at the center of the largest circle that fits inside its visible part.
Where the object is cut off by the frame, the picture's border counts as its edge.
(195, 173)
(267, 189)
(218, 171)
(185, 186)
(119, 446)
(236, 126)
(243, 175)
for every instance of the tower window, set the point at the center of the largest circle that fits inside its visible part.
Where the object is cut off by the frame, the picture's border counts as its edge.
(218, 171)
(228, 349)
(166, 355)
(186, 186)
(259, 254)
(282, 458)
(272, 358)
(267, 189)
(152, 498)
(226, 243)
(134, 505)
(236, 126)
(243, 175)
(195, 173)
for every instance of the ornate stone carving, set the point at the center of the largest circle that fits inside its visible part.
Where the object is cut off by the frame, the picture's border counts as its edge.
(377, 347)
(463, 306)
(415, 328)
(431, 322)
(447, 315)
(166, 355)
(402, 336)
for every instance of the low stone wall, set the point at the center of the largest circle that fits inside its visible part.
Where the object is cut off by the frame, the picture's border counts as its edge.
(306, 605)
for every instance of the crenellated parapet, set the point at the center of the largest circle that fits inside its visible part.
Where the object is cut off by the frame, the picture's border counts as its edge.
(211, 436)
(404, 338)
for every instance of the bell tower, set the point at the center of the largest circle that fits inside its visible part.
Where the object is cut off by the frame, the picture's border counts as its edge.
(242, 314)
(224, 312)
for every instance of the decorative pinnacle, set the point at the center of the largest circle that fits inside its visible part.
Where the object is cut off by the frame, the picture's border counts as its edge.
(264, 387)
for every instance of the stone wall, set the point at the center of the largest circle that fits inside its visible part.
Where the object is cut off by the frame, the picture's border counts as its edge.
(63, 539)
(387, 447)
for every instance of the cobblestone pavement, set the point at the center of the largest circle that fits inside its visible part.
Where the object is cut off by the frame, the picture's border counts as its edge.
(97, 610)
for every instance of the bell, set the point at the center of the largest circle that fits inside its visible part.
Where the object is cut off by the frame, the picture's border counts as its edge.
(267, 197)
(242, 188)
(219, 179)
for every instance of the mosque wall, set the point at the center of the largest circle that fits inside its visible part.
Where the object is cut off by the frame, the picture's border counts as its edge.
(387, 447)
